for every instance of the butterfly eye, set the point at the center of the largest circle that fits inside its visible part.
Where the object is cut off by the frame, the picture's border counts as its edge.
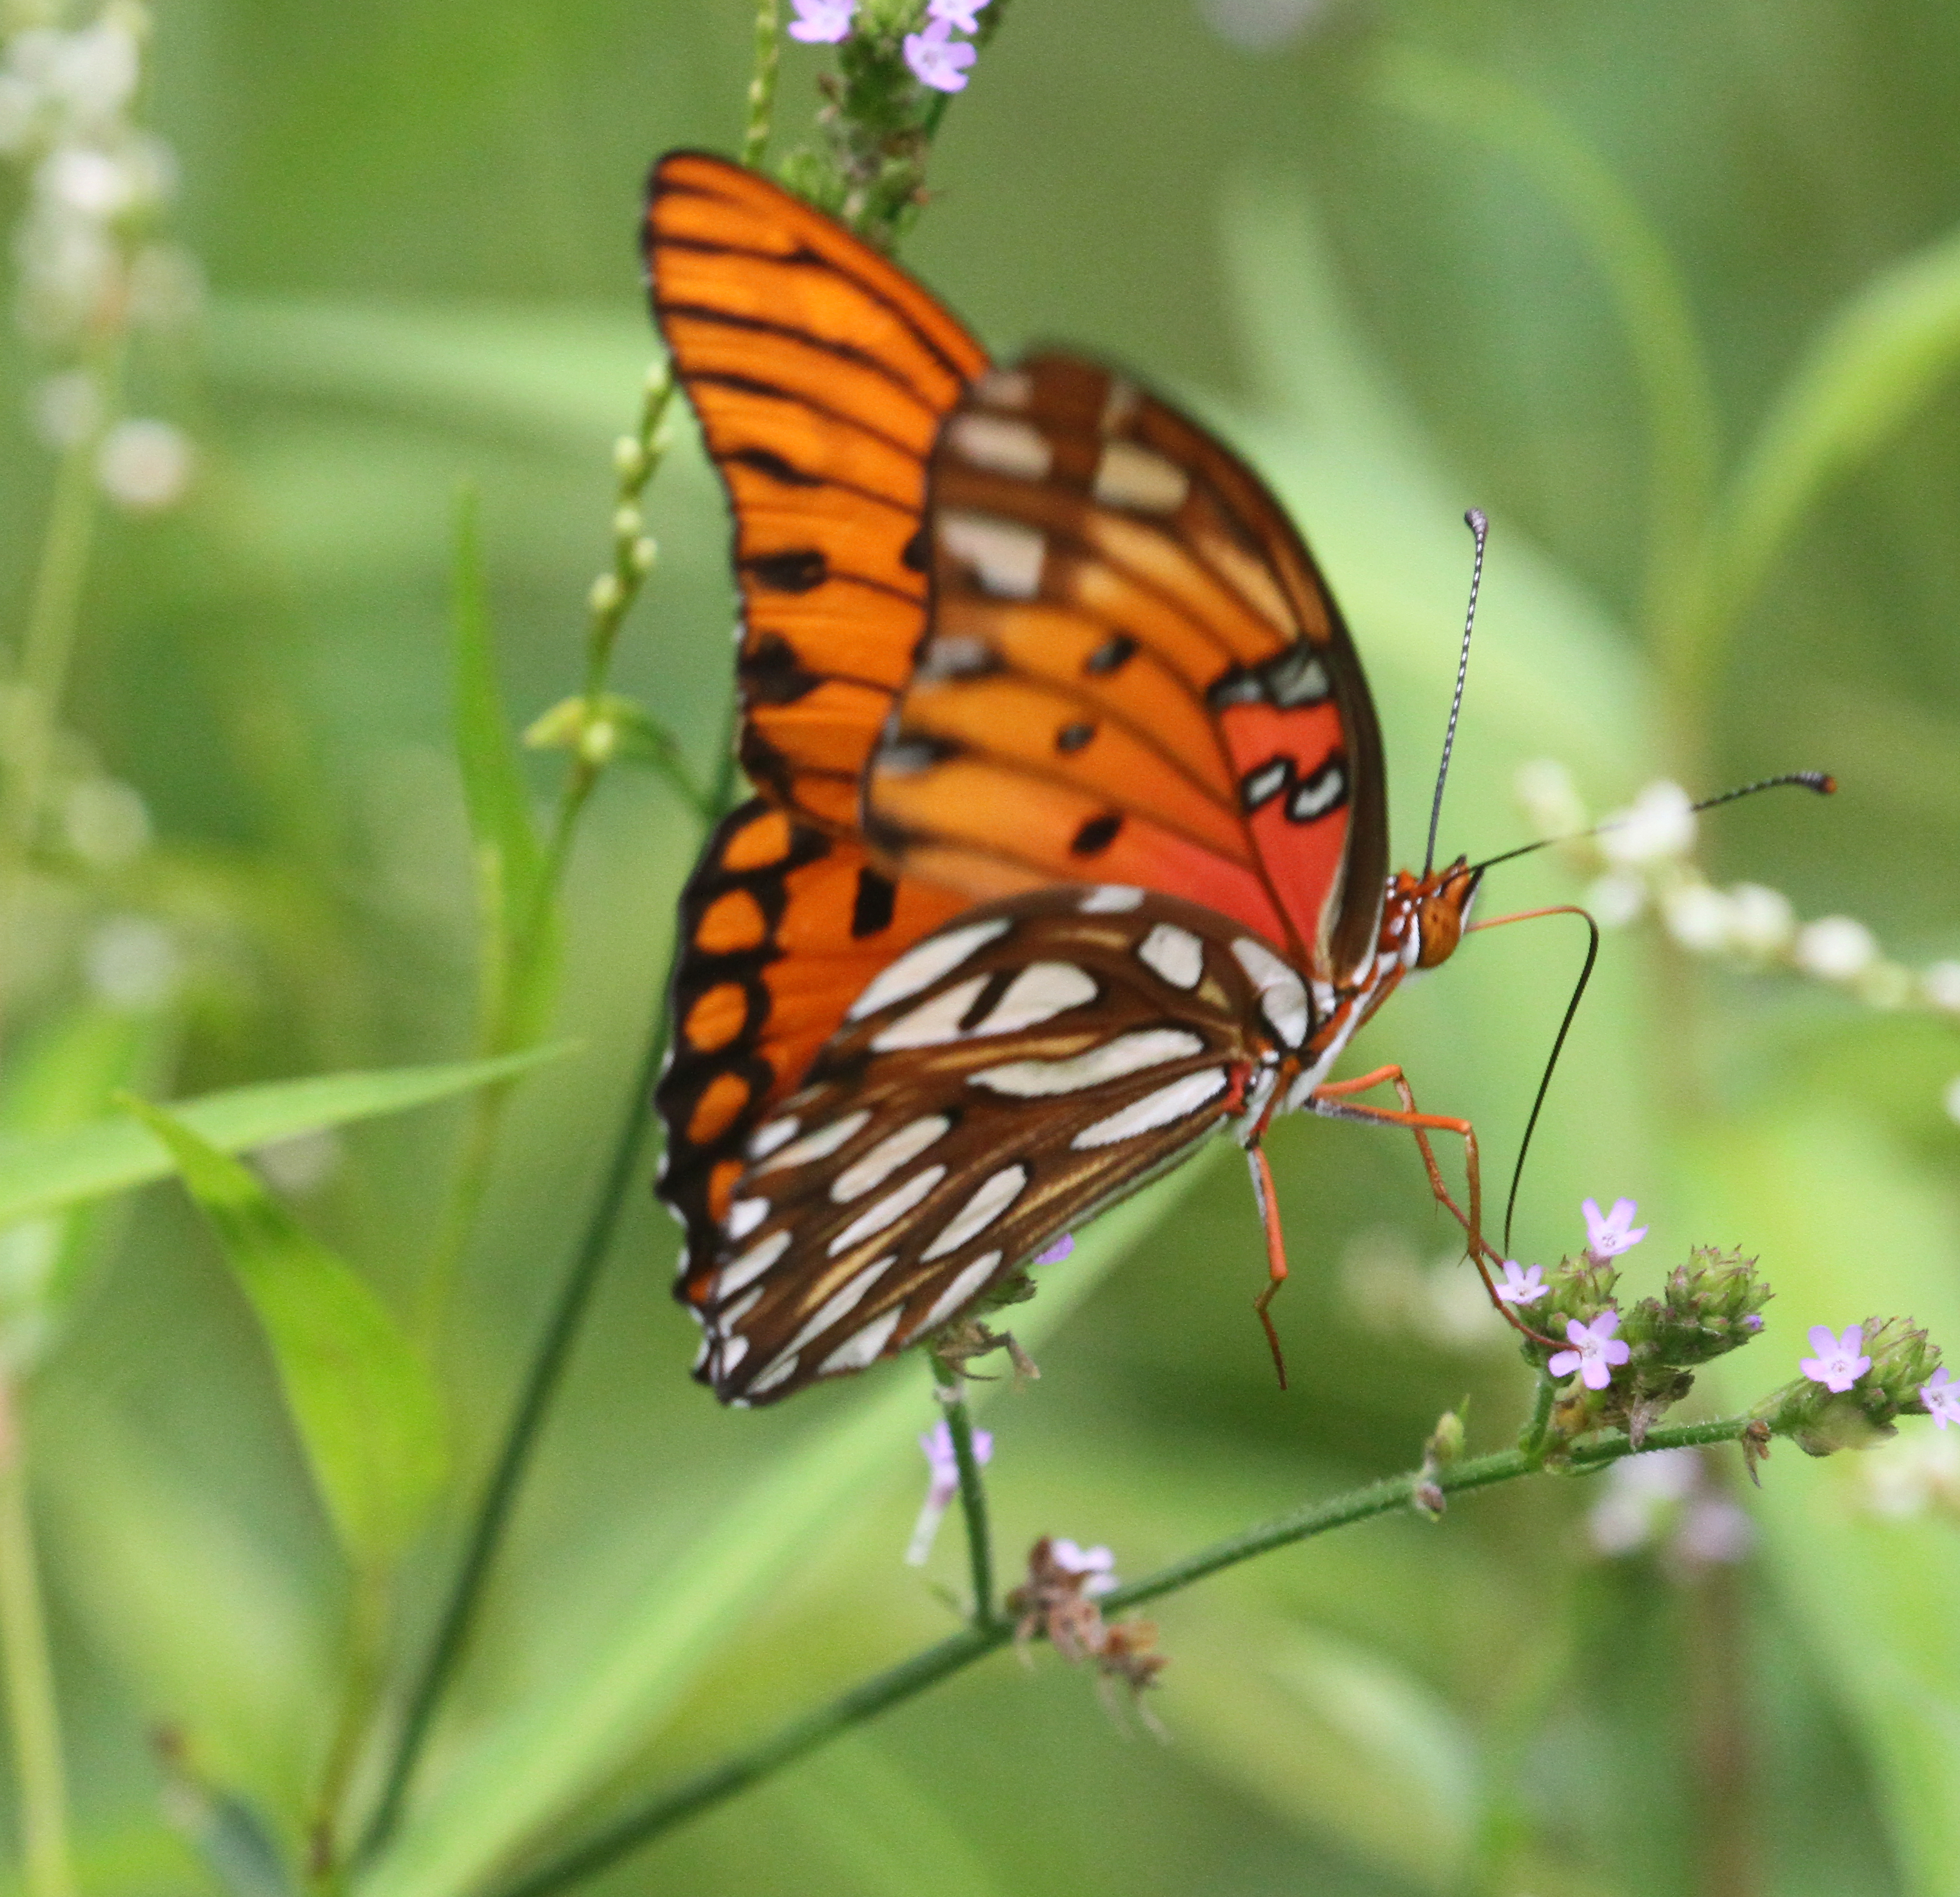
(1440, 913)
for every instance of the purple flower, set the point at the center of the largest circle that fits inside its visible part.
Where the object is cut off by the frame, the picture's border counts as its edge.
(962, 13)
(1596, 1351)
(1521, 1288)
(1056, 1252)
(1097, 1563)
(1608, 1234)
(937, 58)
(943, 1462)
(1840, 1361)
(1940, 1395)
(823, 22)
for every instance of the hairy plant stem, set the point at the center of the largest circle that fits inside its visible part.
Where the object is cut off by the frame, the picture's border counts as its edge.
(911, 1677)
(33, 1719)
(1531, 1440)
(972, 1490)
(762, 86)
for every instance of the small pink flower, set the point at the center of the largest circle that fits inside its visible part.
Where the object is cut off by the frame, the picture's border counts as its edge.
(942, 1462)
(962, 13)
(937, 58)
(823, 22)
(1840, 1361)
(1942, 1397)
(1097, 1563)
(1522, 1287)
(1608, 1234)
(1596, 1351)
(1056, 1252)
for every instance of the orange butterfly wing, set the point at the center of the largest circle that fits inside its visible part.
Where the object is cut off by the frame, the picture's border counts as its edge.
(1134, 674)
(782, 927)
(821, 373)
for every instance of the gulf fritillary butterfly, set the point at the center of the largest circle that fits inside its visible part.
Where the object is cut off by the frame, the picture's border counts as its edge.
(1071, 844)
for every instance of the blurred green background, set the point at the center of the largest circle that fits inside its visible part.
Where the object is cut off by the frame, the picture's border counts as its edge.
(1365, 237)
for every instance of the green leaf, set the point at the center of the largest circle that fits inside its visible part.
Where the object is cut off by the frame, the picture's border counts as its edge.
(528, 1770)
(45, 1172)
(1877, 363)
(365, 1405)
(518, 917)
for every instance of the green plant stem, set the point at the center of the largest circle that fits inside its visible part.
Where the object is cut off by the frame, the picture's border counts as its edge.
(33, 1719)
(367, 1635)
(30, 712)
(1531, 1442)
(912, 1677)
(973, 1491)
(762, 86)
(541, 1383)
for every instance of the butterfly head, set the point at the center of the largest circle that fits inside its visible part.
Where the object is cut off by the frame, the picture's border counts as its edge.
(1438, 904)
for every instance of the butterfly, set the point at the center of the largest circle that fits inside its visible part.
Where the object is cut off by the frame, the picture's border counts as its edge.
(1069, 841)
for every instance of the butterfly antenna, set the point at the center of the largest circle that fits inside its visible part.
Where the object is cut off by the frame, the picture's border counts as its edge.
(1557, 1048)
(1823, 782)
(1480, 526)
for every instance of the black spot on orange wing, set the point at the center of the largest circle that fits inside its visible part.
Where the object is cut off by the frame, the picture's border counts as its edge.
(802, 570)
(1095, 836)
(1072, 737)
(871, 910)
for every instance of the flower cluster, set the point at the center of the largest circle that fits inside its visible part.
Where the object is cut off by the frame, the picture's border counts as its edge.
(1058, 1599)
(1856, 1384)
(1641, 860)
(937, 58)
(91, 270)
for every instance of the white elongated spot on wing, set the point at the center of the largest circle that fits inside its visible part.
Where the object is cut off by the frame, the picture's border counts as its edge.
(969, 1285)
(701, 1355)
(731, 1315)
(855, 1353)
(922, 965)
(1110, 898)
(744, 1216)
(1000, 443)
(1129, 475)
(765, 1139)
(1167, 1105)
(780, 1371)
(932, 1023)
(885, 1159)
(734, 1350)
(1174, 953)
(751, 1265)
(819, 1145)
(842, 1302)
(893, 1205)
(1041, 989)
(1006, 557)
(1282, 995)
(1004, 389)
(1127, 1054)
(993, 1197)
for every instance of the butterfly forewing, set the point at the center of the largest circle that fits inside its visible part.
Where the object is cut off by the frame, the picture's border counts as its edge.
(1133, 672)
(821, 373)
(781, 926)
(1010, 1075)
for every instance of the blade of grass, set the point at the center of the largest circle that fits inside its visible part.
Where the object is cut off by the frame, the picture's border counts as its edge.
(47, 1172)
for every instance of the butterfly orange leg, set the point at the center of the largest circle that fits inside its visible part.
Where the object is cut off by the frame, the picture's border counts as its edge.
(1335, 1099)
(1276, 1262)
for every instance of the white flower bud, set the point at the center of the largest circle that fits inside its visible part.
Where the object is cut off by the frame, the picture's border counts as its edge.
(144, 466)
(1546, 792)
(106, 822)
(88, 183)
(1698, 916)
(1835, 948)
(605, 595)
(645, 551)
(629, 459)
(627, 522)
(1616, 900)
(131, 963)
(1760, 920)
(1940, 985)
(1660, 825)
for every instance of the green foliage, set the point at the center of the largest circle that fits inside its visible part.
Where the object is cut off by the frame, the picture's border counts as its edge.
(366, 1412)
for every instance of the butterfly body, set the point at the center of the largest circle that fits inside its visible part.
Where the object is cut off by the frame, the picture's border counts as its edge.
(1071, 846)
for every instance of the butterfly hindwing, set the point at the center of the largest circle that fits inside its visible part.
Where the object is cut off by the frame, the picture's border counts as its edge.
(781, 925)
(821, 373)
(1010, 1075)
(1134, 672)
